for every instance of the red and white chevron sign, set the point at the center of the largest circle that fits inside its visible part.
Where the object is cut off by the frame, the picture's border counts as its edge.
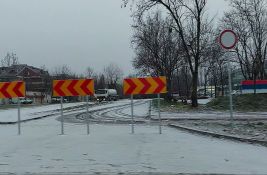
(148, 85)
(79, 87)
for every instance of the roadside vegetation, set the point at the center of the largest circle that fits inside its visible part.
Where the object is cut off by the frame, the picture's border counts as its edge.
(174, 106)
(242, 103)
(245, 102)
(256, 129)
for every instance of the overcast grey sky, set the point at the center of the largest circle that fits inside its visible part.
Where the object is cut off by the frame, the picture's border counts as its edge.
(78, 33)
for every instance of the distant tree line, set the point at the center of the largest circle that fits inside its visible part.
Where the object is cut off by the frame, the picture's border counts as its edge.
(110, 77)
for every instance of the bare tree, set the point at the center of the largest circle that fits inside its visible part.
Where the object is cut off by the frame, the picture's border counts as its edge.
(249, 19)
(10, 59)
(100, 82)
(158, 48)
(216, 63)
(113, 73)
(45, 88)
(192, 26)
(217, 68)
(183, 81)
(44, 68)
(89, 73)
(63, 72)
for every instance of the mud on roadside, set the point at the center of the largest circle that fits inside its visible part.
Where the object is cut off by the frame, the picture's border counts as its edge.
(249, 129)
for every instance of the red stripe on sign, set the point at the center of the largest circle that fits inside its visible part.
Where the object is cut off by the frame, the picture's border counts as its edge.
(4, 92)
(85, 88)
(71, 88)
(251, 82)
(160, 87)
(16, 89)
(146, 85)
(57, 88)
(131, 88)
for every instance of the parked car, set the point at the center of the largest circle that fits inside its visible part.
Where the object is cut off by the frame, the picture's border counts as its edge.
(58, 100)
(236, 92)
(26, 101)
(22, 100)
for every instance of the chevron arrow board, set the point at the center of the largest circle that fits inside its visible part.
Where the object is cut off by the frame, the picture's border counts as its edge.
(79, 87)
(148, 85)
(12, 89)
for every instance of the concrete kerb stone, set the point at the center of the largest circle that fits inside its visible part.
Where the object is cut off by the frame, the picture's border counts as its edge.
(216, 135)
(44, 116)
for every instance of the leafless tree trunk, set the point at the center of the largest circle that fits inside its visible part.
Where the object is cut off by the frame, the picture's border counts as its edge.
(249, 19)
(89, 73)
(9, 60)
(113, 73)
(192, 27)
(62, 72)
(157, 47)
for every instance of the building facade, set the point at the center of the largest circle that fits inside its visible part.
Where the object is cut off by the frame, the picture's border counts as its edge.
(38, 81)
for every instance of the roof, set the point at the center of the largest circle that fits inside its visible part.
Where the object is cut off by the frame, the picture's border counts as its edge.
(15, 70)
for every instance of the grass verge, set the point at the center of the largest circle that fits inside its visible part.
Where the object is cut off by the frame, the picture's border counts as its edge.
(166, 105)
(244, 102)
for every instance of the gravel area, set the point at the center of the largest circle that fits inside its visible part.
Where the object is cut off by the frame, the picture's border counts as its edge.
(256, 129)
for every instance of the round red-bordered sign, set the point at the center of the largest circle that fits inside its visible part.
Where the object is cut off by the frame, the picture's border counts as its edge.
(228, 39)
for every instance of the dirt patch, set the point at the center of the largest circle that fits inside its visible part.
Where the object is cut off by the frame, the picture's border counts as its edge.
(256, 129)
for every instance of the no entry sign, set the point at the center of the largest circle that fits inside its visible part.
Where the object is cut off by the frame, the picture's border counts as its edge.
(228, 39)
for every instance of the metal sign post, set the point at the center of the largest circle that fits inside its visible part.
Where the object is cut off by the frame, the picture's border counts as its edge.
(73, 88)
(14, 89)
(150, 109)
(160, 130)
(132, 114)
(62, 117)
(228, 40)
(230, 92)
(19, 129)
(147, 85)
(87, 114)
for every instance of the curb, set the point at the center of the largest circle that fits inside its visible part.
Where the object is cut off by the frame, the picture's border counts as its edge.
(210, 119)
(212, 134)
(26, 120)
(96, 110)
(40, 117)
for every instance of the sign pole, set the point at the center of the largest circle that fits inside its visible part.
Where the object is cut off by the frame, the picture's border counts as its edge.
(147, 85)
(160, 130)
(228, 40)
(150, 108)
(87, 114)
(13, 89)
(71, 88)
(132, 114)
(230, 93)
(19, 129)
(62, 117)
